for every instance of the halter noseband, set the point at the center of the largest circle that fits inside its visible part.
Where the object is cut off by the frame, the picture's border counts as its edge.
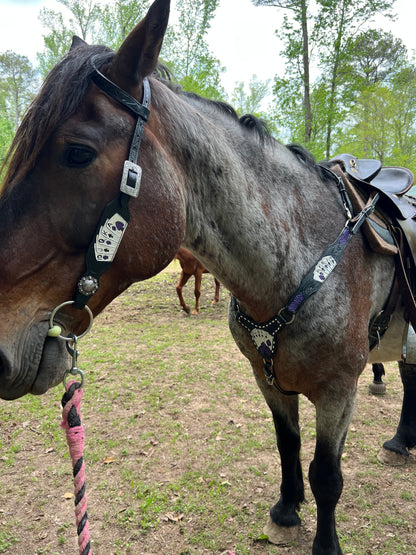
(115, 217)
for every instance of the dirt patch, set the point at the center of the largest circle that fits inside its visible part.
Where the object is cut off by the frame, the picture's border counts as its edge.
(180, 451)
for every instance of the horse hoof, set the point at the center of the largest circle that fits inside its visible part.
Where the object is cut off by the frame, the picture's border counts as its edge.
(392, 458)
(280, 535)
(377, 388)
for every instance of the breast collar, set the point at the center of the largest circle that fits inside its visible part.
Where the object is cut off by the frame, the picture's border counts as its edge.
(264, 335)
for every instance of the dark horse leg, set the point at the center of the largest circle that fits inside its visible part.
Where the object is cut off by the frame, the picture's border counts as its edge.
(332, 419)
(377, 386)
(284, 520)
(405, 437)
(333, 415)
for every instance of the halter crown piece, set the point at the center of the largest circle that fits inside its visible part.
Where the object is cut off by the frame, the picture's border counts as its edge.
(115, 217)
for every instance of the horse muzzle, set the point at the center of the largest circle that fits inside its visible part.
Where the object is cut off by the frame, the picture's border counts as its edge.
(33, 365)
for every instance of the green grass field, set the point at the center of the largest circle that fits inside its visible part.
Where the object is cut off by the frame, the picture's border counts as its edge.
(180, 450)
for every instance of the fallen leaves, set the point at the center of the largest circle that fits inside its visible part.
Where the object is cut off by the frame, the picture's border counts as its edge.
(170, 517)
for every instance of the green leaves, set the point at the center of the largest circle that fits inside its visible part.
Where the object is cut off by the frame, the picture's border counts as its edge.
(186, 49)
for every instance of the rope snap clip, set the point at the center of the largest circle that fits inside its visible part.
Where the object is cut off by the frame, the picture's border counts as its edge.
(74, 370)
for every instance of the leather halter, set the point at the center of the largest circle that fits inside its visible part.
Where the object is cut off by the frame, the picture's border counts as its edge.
(115, 217)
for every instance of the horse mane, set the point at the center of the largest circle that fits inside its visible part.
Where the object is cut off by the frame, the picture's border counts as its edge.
(249, 121)
(308, 160)
(58, 98)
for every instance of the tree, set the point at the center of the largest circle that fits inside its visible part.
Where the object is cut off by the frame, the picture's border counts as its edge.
(317, 35)
(250, 103)
(337, 22)
(186, 50)
(382, 123)
(17, 86)
(373, 56)
(6, 133)
(118, 18)
(88, 19)
(82, 21)
(295, 34)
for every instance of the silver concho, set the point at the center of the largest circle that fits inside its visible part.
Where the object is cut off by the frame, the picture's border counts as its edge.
(324, 268)
(88, 285)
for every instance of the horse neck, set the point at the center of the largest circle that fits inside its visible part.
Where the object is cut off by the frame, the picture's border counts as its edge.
(244, 203)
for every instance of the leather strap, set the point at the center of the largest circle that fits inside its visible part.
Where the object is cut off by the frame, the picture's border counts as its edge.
(116, 215)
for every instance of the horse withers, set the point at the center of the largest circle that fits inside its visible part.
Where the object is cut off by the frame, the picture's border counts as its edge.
(257, 214)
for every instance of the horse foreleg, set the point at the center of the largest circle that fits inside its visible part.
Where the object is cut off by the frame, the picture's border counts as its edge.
(395, 451)
(284, 522)
(183, 279)
(217, 292)
(197, 291)
(325, 475)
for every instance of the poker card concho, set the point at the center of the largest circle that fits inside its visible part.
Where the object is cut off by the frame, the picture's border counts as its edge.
(109, 238)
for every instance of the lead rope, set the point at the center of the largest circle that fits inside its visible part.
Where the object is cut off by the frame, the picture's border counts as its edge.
(71, 422)
(75, 437)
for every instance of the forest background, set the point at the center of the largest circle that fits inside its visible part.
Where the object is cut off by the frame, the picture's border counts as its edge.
(346, 84)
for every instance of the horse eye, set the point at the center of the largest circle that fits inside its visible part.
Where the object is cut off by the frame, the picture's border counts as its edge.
(79, 156)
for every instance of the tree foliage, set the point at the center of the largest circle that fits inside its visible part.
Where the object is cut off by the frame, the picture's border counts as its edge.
(346, 86)
(90, 20)
(186, 49)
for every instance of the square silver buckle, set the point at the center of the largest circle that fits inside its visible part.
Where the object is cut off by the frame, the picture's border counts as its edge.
(128, 189)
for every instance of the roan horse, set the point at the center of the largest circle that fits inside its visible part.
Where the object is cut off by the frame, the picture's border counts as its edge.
(256, 213)
(191, 266)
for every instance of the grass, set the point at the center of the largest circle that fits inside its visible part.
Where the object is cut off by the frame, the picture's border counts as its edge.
(180, 449)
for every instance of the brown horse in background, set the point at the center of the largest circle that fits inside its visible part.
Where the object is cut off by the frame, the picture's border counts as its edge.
(192, 267)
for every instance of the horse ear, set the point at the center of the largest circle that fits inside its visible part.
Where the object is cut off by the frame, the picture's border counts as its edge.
(77, 43)
(137, 57)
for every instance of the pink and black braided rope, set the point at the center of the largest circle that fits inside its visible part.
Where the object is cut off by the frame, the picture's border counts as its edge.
(71, 422)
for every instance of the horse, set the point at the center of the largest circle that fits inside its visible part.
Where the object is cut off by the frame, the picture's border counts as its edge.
(113, 169)
(192, 267)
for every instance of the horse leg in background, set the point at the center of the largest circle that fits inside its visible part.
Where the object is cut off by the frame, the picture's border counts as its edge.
(332, 420)
(395, 451)
(377, 386)
(284, 522)
(197, 290)
(217, 292)
(183, 279)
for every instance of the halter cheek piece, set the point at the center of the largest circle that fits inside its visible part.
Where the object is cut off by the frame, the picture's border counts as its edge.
(115, 217)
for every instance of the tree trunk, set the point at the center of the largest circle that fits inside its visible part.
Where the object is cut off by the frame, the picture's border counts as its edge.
(306, 75)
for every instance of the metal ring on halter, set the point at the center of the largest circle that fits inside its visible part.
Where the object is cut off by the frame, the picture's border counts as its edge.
(55, 310)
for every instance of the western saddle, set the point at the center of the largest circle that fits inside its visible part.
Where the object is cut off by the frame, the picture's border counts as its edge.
(391, 230)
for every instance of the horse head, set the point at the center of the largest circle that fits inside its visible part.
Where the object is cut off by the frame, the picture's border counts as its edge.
(64, 167)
